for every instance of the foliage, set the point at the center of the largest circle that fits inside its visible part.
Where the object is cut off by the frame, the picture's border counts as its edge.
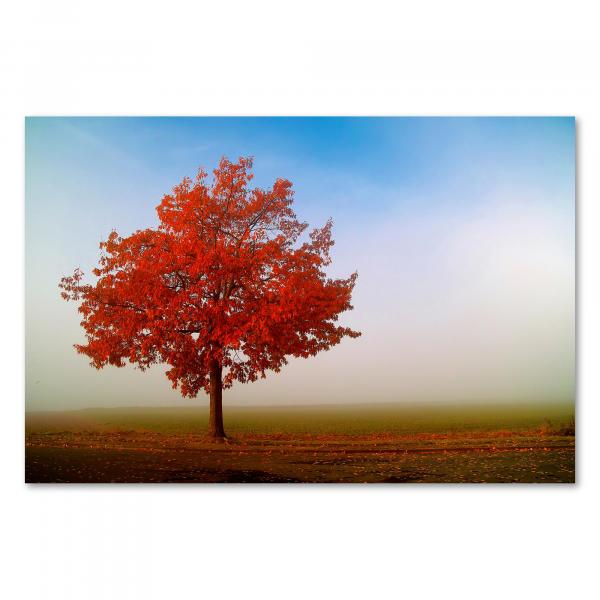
(224, 279)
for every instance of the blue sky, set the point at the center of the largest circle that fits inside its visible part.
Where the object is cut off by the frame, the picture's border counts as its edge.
(462, 230)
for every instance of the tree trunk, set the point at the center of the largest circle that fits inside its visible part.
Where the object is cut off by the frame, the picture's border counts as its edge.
(215, 421)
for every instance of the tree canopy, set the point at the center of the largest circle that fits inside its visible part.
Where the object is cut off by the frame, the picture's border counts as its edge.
(227, 277)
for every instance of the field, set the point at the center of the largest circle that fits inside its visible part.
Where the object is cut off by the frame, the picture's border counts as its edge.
(320, 444)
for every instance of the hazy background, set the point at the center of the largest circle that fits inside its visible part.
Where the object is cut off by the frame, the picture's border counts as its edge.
(462, 231)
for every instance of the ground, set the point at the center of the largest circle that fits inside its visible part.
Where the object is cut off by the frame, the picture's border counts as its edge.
(324, 444)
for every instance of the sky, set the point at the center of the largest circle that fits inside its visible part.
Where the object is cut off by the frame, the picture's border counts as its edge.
(462, 231)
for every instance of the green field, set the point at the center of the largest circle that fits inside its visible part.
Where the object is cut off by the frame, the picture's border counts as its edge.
(323, 419)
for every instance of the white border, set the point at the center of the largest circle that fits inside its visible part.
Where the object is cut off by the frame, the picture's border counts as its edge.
(427, 58)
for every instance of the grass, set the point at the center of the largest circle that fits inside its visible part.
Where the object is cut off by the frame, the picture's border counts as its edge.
(322, 419)
(322, 444)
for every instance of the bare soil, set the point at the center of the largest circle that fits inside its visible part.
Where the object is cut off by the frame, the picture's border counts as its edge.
(501, 456)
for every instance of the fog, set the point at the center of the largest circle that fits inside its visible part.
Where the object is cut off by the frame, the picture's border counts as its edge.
(456, 301)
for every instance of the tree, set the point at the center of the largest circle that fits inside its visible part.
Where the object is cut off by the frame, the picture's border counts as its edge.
(222, 290)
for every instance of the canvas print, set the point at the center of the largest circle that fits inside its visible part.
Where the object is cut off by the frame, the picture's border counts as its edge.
(300, 300)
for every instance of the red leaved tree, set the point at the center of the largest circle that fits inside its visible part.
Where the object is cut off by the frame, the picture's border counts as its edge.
(222, 290)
